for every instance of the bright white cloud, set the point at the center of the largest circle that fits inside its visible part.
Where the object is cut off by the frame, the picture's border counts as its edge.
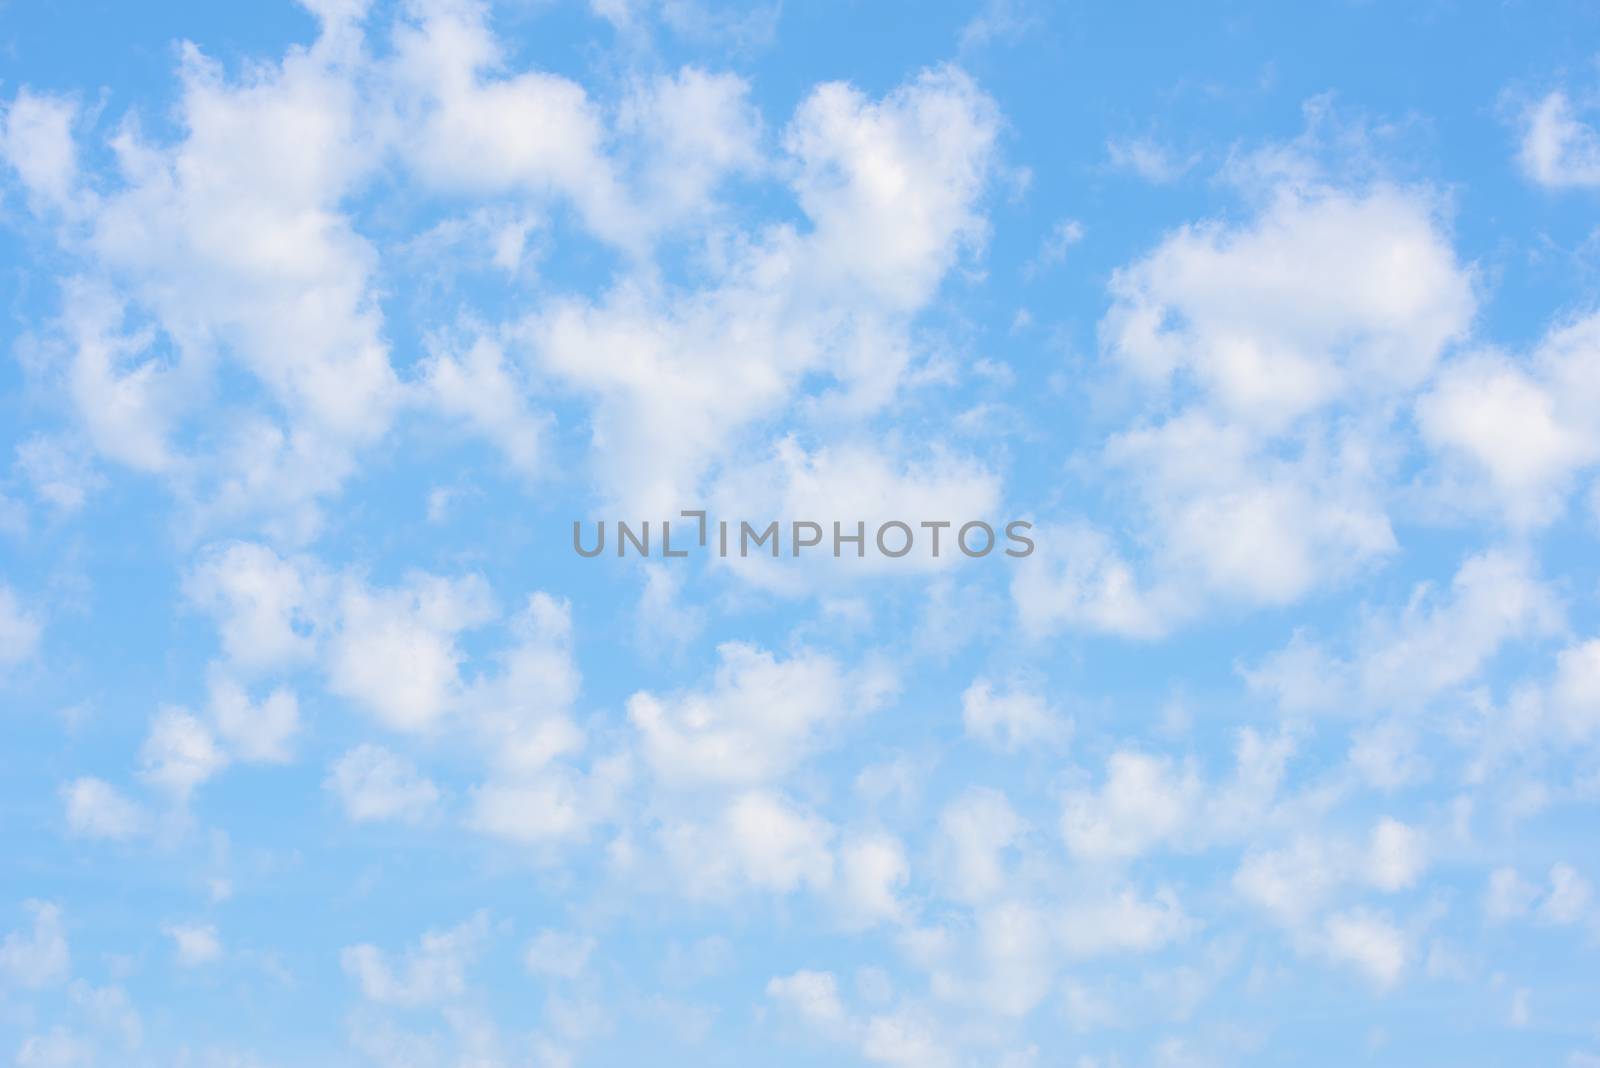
(759, 719)
(1559, 150)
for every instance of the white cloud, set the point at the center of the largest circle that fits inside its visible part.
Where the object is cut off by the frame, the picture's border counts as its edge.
(558, 954)
(1291, 883)
(1569, 897)
(1437, 643)
(759, 841)
(395, 651)
(179, 753)
(58, 1048)
(1575, 692)
(855, 482)
(58, 471)
(1122, 923)
(1016, 959)
(1559, 150)
(524, 711)
(1075, 578)
(1010, 719)
(484, 390)
(36, 139)
(19, 630)
(1397, 855)
(434, 972)
(1513, 436)
(1269, 359)
(38, 956)
(95, 809)
(373, 784)
(551, 806)
(890, 188)
(976, 831)
(261, 732)
(1053, 247)
(194, 944)
(1440, 640)
(1149, 159)
(813, 997)
(1508, 895)
(1369, 942)
(761, 717)
(266, 606)
(873, 872)
(1145, 800)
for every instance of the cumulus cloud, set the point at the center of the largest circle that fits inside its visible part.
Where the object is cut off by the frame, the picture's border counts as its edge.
(19, 629)
(758, 720)
(395, 651)
(95, 809)
(194, 944)
(1010, 719)
(1559, 150)
(1270, 359)
(1513, 436)
(179, 753)
(1144, 801)
(37, 956)
(373, 784)
(759, 841)
(432, 972)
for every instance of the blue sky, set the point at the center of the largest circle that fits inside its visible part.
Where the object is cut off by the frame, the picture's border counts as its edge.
(324, 324)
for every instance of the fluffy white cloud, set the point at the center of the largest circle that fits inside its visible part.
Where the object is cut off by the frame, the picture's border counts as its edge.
(1575, 692)
(1122, 923)
(36, 139)
(19, 630)
(760, 841)
(265, 605)
(761, 717)
(194, 944)
(95, 809)
(1369, 942)
(487, 392)
(1513, 436)
(395, 651)
(1566, 899)
(976, 831)
(431, 973)
(1144, 801)
(1440, 640)
(254, 731)
(813, 997)
(1397, 855)
(873, 871)
(179, 753)
(1009, 719)
(890, 188)
(1558, 149)
(373, 784)
(38, 956)
(523, 712)
(1268, 360)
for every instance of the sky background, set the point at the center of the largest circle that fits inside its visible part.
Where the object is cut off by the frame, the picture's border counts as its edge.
(323, 324)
